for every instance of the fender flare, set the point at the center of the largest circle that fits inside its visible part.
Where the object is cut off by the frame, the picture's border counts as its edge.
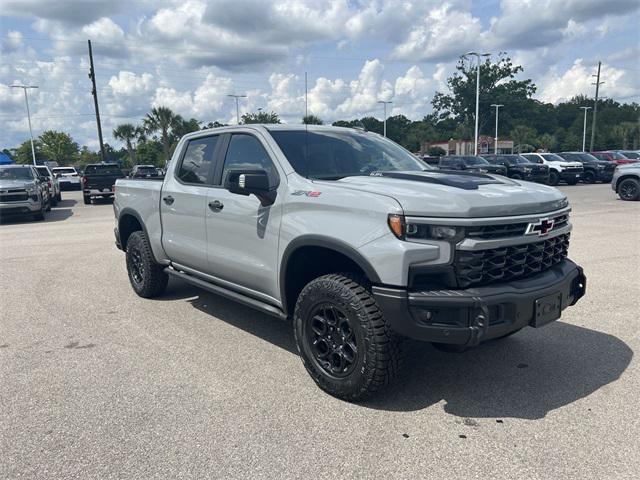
(129, 211)
(325, 242)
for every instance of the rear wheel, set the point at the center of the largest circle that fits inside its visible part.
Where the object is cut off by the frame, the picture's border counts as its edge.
(147, 278)
(87, 199)
(516, 176)
(59, 197)
(629, 189)
(554, 178)
(343, 339)
(589, 177)
(53, 201)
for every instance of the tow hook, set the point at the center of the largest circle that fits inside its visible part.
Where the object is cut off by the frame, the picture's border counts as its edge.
(479, 324)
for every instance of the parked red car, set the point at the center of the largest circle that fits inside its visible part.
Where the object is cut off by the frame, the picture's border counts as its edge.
(615, 157)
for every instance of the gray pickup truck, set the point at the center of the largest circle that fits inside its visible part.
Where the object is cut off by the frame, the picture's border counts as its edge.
(352, 238)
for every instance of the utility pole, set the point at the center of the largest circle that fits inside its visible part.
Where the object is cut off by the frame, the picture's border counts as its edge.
(26, 101)
(306, 100)
(584, 127)
(495, 148)
(94, 92)
(477, 55)
(237, 106)
(384, 128)
(595, 108)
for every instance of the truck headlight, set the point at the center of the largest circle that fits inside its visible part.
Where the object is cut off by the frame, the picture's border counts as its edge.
(526, 169)
(599, 166)
(32, 190)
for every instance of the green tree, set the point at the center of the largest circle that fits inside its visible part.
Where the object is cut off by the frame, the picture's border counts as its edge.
(59, 147)
(182, 127)
(86, 156)
(23, 154)
(215, 124)
(162, 120)
(547, 142)
(497, 85)
(127, 133)
(437, 152)
(149, 153)
(312, 120)
(261, 117)
(523, 138)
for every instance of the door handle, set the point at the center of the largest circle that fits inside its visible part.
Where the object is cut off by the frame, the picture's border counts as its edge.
(168, 200)
(216, 205)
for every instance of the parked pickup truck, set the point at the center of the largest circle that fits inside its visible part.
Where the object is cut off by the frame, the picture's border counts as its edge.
(99, 180)
(352, 238)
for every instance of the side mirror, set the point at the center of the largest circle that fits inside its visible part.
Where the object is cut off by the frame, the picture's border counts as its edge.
(247, 182)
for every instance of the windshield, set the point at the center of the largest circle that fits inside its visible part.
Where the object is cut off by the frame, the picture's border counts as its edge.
(102, 170)
(64, 170)
(516, 159)
(334, 154)
(474, 161)
(44, 171)
(579, 157)
(552, 157)
(15, 173)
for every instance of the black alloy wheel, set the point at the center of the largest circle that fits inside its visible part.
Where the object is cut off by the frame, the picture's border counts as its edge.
(589, 177)
(629, 189)
(333, 342)
(554, 178)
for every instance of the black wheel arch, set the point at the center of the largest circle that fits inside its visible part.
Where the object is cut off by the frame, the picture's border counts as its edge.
(129, 221)
(338, 249)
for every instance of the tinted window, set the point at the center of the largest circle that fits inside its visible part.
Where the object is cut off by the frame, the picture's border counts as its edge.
(552, 157)
(474, 161)
(533, 158)
(197, 163)
(43, 171)
(106, 169)
(446, 162)
(246, 152)
(63, 170)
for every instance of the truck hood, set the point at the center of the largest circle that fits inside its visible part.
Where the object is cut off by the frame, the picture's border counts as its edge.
(565, 164)
(424, 194)
(11, 184)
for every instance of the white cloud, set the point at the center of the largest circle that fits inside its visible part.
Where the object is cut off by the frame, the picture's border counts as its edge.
(578, 80)
(128, 83)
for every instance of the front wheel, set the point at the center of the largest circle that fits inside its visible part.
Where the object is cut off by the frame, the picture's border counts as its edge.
(343, 339)
(147, 278)
(629, 189)
(588, 177)
(516, 176)
(554, 178)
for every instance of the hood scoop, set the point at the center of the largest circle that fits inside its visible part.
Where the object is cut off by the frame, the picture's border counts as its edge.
(463, 180)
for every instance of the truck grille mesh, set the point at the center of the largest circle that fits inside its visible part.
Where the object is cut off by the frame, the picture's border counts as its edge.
(489, 232)
(14, 197)
(482, 267)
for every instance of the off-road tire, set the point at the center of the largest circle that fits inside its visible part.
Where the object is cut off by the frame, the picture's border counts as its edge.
(87, 199)
(554, 178)
(629, 189)
(589, 177)
(378, 356)
(40, 215)
(147, 278)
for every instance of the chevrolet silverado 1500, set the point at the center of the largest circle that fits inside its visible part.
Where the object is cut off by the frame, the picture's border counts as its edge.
(353, 239)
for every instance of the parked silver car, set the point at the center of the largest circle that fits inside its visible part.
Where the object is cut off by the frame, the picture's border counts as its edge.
(626, 181)
(23, 192)
(52, 183)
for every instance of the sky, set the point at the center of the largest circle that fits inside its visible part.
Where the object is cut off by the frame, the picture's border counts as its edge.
(189, 55)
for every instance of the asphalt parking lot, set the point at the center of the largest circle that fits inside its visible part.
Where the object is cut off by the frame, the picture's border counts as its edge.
(96, 382)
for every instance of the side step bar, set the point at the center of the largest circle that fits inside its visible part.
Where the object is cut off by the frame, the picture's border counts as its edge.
(225, 292)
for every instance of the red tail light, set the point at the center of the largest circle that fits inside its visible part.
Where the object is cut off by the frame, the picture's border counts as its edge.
(49, 182)
(85, 180)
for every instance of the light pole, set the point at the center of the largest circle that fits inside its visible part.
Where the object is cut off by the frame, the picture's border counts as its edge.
(384, 128)
(237, 107)
(478, 55)
(495, 148)
(26, 100)
(584, 128)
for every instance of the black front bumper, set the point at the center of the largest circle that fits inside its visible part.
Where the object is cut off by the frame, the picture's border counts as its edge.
(568, 175)
(471, 316)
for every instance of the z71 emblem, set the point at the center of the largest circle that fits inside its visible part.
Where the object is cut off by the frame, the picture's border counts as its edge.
(540, 228)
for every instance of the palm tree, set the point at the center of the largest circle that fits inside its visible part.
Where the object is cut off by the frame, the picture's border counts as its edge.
(127, 133)
(163, 120)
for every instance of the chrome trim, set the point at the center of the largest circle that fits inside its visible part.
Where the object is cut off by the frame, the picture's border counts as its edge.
(473, 244)
(472, 222)
(226, 284)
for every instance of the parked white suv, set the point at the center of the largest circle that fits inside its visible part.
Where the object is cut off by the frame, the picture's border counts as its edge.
(559, 168)
(68, 177)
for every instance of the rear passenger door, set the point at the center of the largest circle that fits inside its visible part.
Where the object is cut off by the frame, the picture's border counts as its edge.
(183, 203)
(242, 234)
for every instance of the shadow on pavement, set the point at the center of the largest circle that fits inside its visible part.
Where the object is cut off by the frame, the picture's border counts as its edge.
(523, 376)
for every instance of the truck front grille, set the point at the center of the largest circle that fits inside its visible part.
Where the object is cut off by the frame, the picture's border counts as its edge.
(490, 232)
(481, 267)
(14, 196)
